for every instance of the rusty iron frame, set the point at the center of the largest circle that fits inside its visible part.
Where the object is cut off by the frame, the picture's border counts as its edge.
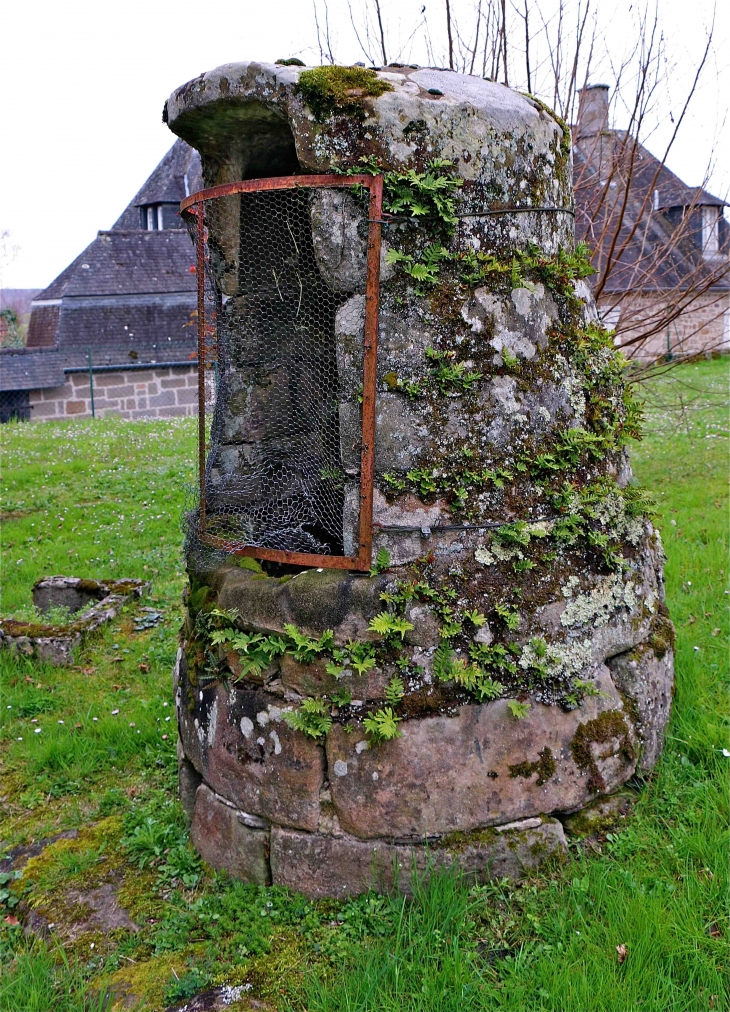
(195, 204)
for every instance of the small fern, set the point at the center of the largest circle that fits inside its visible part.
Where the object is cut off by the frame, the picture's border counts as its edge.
(518, 710)
(510, 618)
(312, 718)
(395, 690)
(304, 648)
(382, 562)
(341, 696)
(390, 625)
(382, 725)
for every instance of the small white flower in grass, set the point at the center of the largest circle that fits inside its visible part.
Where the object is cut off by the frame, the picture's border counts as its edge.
(95, 718)
(37, 730)
(114, 713)
(20, 739)
(60, 722)
(726, 753)
(132, 724)
(695, 648)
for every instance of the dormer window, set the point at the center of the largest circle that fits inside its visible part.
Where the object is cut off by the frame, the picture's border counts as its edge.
(153, 217)
(711, 232)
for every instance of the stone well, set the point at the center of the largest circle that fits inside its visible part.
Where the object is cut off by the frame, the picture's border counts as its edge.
(509, 660)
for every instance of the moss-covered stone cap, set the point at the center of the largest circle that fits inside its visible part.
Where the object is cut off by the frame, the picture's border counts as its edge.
(313, 601)
(452, 115)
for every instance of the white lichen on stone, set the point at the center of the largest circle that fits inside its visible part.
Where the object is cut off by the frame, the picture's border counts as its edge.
(246, 727)
(568, 588)
(572, 382)
(212, 722)
(560, 660)
(611, 514)
(277, 744)
(600, 604)
(340, 768)
(484, 556)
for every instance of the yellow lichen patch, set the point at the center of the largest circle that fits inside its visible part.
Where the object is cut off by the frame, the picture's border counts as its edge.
(86, 859)
(144, 984)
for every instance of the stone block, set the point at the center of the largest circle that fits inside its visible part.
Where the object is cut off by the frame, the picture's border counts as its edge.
(45, 409)
(313, 680)
(225, 842)
(313, 601)
(172, 383)
(164, 400)
(187, 396)
(237, 740)
(127, 390)
(108, 379)
(481, 767)
(188, 782)
(601, 815)
(646, 676)
(339, 866)
(75, 407)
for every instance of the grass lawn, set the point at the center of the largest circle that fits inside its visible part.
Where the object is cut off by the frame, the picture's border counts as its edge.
(89, 752)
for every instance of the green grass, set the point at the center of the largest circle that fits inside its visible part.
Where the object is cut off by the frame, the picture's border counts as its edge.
(657, 885)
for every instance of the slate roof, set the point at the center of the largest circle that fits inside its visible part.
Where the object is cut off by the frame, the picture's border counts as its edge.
(176, 177)
(127, 263)
(130, 295)
(653, 258)
(21, 369)
(132, 330)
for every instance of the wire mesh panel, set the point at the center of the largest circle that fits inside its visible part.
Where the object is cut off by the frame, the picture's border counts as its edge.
(288, 274)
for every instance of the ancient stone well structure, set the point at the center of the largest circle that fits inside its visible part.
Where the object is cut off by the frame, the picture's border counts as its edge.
(509, 658)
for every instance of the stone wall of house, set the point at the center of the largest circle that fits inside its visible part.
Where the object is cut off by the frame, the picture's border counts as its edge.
(157, 392)
(703, 329)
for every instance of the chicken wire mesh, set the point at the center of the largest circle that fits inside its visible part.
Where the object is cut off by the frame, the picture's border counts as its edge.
(287, 330)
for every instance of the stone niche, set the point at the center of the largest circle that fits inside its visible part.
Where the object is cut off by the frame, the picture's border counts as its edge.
(509, 660)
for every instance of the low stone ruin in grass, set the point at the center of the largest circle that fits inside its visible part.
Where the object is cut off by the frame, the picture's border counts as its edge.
(89, 603)
(509, 658)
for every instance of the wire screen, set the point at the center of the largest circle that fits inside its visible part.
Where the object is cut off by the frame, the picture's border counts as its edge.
(286, 278)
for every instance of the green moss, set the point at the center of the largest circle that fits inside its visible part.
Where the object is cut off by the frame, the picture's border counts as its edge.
(145, 982)
(663, 635)
(328, 90)
(74, 861)
(458, 842)
(544, 766)
(599, 731)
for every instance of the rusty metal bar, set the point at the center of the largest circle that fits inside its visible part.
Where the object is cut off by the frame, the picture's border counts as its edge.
(195, 204)
(200, 278)
(370, 363)
(274, 183)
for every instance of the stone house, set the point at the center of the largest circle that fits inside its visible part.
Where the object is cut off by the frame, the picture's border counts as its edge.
(667, 292)
(118, 322)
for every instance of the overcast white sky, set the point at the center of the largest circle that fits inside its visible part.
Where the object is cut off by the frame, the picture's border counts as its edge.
(83, 84)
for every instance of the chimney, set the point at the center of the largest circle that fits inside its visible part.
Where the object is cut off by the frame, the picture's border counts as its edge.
(592, 110)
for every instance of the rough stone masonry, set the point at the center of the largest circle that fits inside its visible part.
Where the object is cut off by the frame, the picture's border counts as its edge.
(509, 659)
